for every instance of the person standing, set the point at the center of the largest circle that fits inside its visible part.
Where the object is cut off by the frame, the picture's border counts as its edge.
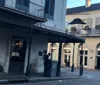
(49, 64)
(45, 58)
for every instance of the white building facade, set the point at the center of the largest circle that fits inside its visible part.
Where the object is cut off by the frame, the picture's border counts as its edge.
(14, 39)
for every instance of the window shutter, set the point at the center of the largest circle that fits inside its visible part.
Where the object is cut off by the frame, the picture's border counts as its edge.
(46, 6)
(52, 5)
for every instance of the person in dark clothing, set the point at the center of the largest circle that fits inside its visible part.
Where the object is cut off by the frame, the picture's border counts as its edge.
(45, 58)
(49, 64)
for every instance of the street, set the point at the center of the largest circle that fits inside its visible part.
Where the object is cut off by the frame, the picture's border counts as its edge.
(82, 81)
(71, 78)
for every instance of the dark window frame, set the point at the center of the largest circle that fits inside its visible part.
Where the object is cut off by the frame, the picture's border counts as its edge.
(49, 9)
(23, 5)
(86, 52)
(2, 2)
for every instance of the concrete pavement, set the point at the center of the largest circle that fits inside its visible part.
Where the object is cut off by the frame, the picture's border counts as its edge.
(89, 74)
(66, 75)
(80, 81)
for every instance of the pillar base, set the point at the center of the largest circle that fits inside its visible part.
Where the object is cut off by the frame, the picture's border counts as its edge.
(72, 68)
(81, 70)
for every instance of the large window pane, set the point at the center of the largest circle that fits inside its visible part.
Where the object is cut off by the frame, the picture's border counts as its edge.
(22, 5)
(49, 8)
(26, 3)
(19, 2)
(2, 2)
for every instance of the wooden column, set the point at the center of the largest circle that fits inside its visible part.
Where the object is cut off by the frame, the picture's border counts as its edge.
(59, 58)
(28, 70)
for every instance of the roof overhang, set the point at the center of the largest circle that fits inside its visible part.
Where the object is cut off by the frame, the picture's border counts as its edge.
(23, 14)
(56, 36)
(13, 17)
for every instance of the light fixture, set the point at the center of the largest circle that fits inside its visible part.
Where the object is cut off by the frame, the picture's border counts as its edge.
(77, 21)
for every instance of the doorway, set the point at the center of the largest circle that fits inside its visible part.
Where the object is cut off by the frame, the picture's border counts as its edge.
(67, 60)
(98, 56)
(98, 62)
(17, 55)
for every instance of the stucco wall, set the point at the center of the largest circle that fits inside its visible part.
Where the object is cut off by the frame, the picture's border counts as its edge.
(39, 43)
(91, 43)
(85, 15)
(3, 47)
(59, 16)
(58, 23)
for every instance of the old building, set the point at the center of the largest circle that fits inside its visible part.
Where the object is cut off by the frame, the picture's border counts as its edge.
(26, 27)
(90, 32)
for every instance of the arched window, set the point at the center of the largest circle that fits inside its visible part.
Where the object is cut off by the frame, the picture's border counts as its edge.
(98, 50)
(98, 56)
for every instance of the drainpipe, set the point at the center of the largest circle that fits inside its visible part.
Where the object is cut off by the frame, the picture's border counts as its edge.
(28, 71)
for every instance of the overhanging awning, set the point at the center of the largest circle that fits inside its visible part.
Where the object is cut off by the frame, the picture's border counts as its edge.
(55, 36)
(7, 16)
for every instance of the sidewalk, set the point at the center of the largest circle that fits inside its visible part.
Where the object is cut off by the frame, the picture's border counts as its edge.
(64, 76)
(89, 74)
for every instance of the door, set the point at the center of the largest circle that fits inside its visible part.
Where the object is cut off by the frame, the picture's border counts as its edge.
(17, 55)
(98, 62)
(67, 60)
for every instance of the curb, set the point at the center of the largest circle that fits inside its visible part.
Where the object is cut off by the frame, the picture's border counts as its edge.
(34, 80)
(50, 79)
(4, 81)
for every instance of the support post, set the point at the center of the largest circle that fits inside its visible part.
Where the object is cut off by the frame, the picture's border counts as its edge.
(28, 70)
(59, 58)
(72, 69)
(81, 61)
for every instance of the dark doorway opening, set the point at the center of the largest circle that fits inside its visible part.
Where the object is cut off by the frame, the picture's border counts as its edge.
(98, 63)
(67, 60)
(17, 55)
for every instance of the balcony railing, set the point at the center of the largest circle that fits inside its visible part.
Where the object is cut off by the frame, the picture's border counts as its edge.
(33, 9)
(85, 32)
